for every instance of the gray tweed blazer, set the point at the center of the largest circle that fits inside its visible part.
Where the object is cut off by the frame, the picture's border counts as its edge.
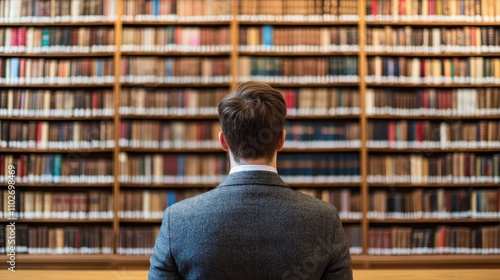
(252, 226)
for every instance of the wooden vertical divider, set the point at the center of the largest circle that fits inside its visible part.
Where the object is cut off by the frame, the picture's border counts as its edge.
(234, 44)
(364, 152)
(116, 153)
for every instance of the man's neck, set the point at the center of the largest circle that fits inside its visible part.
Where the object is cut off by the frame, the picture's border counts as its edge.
(257, 161)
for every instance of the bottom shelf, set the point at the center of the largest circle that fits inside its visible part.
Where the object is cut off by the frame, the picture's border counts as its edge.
(119, 262)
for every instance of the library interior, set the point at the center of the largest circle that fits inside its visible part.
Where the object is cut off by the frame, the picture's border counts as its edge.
(108, 115)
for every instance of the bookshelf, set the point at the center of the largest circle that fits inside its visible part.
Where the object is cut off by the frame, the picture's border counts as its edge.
(393, 110)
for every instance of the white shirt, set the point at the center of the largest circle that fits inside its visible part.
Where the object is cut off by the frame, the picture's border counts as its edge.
(253, 167)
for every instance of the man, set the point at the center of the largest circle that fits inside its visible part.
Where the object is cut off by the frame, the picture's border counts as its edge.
(252, 226)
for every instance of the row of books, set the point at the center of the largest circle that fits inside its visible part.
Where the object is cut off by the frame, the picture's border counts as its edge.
(270, 38)
(169, 134)
(353, 234)
(299, 69)
(50, 11)
(15, 71)
(319, 168)
(433, 102)
(176, 38)
(445, 10)
(56, 103)
(56, 240)
(282, 8)
(56, 40)
(435, 168)
(150, 204)
(58, 205)
(185, 10)
(56, 135)
(175, 70)
(319, 134)
(466, 39)
(432, 134)
(141, 240)
(137, 240)
(440, 240)
(57, 168)
(435, 204)
(347, 201)
(475, 70)
(172, 168)
(321, 101)
(299, 101)
(170, 101)
(211, 169)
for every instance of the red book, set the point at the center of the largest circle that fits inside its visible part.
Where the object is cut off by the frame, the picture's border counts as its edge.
(22, 36)
(420, 131)
(15, 37)
(391, 132)
(22, 68)
(402, 7)
(374, 7)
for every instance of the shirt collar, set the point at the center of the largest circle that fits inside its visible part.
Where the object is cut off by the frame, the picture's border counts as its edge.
(253, 167)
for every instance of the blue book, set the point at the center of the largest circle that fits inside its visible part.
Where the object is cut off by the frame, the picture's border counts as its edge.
(14, 67)
(156, 7)
(57, 168)
(170, 197)
(170, 66)
(45, 37)
(267, 35)
(99, 67)
(180, 165)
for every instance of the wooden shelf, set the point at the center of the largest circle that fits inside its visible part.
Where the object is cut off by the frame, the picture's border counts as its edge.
(424, 85)
(187, 53)
(431, 23)
(63, 151)
(174, 85)
(431, 221)
(431, 150)
(182, 22)
(485, 117)
(302, 53)
(37, 118)
(56, 86)
(171, 117)
(169, 185)
(54, 24)
(432, 261)
(65, 221)
(171, 150)
(441, 54)
(58, 55)
(298, 23)
(434, 185)
(64, 185)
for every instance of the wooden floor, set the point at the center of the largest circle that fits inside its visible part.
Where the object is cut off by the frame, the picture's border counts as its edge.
(427, 274)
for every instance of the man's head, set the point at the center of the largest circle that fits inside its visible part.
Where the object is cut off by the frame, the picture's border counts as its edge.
(252, 119)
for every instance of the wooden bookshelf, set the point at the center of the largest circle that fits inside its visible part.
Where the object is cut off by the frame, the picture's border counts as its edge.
(235, 22)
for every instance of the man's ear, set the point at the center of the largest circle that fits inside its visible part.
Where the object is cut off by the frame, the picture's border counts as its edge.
(281, 142)
(222, 141)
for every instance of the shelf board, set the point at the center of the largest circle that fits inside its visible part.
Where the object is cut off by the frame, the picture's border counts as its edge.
(433, 185)
(174, 85)
(292, 85)
(64, 185)
(431, 150)
(435, 261)
(52, 24)
(48, 118)
(302, 53)
(56, 86)
(62, 151)
(433, 221)
(176, 23)
(298, 23)
(494, 117)
(86, 221)
(443, 54)
(171, 117)
(169, 185)
(423, 85)
(57, 55)
(377, 23)
(141, 220)
(171, 150)
(173, 53)
(324, 185)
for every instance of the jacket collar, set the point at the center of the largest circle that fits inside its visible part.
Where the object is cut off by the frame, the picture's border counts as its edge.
(253, 178)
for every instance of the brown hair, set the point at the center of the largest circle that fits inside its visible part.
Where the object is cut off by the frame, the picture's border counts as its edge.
(252, 119)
